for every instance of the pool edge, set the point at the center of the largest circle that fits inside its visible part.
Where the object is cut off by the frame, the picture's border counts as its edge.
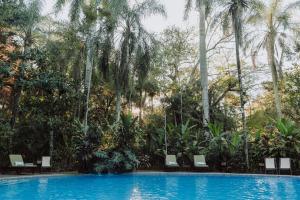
(149, 173)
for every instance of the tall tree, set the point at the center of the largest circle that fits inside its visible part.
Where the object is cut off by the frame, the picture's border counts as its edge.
(27, 26)
(203, 7)
(91, 10)
(274, 23)
(76, 9)
(232, 17)
(133, 36)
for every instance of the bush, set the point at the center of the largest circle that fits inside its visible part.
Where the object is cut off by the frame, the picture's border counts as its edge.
(5, 136)
(85, 146)
(115, 161)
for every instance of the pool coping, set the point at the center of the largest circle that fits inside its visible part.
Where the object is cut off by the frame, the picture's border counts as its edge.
(12, 177)
(217, 174)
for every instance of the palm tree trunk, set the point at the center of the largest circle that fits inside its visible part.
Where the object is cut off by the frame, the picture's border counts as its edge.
(141, 106)
(272, 64)
(118, 104)
(181, 106)
(88, 78)
(203, 63)
(152, 104)
(15, 103)
(51, 140)
(238, 64)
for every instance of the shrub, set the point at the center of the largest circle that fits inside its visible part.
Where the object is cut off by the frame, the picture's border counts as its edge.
(85, 146)
(114, 161)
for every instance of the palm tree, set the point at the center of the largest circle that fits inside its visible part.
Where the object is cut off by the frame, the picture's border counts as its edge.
(232, 18)
(90, 9)
(133, 37)
(142, 66)
(75, 11)
(203, 6)
(272, 36)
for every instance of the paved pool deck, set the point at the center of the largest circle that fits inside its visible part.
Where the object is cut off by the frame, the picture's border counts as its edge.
(14, 176)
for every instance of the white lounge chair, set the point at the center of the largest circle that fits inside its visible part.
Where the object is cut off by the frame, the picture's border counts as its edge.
(17, 163)
(270, 164)
(171, 161)
(285, 164)
(199, 161)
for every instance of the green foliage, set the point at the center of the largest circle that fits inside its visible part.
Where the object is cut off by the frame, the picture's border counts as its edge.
(218, 145)
(6, 134)
(115, 161)
(124, 132)
(85, 146)
(280, 139)
(292, 95)
(289, 137)
(153, 142)
(224, 147)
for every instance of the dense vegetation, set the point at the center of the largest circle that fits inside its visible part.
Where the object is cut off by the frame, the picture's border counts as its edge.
(101, 93)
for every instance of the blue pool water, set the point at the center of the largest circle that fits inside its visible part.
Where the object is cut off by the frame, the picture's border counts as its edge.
(151, 186)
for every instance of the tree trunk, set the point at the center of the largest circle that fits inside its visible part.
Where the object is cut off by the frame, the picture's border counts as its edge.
(152, 104)
(165, 130)
(203, 63)
(141, 107)
(51, 140)
(272, 64)
(118, 105)
(77, 78)
(181, 107)
(88, 78)
(15, 103)
(240, 79)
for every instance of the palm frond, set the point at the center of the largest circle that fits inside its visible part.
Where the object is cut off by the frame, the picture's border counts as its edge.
(188, 8)
(293, 5)
(76, 6)
(59, 5)
(150, 7)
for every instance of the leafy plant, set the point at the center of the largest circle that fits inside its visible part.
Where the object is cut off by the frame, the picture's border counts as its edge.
(85, 146)
(289, 137)
(114, 161)
(219, 144)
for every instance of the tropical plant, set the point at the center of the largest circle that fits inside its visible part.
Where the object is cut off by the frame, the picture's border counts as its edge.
(218, 145)
(134, 38)
(85, 145)
(273, 37)
(115, 161)
(289, 137)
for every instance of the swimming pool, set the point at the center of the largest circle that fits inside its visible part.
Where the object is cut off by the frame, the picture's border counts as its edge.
(147, 186)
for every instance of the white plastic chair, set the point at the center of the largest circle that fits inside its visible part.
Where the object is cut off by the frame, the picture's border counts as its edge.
(270, 164)
(46, 162)
(285, 164)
